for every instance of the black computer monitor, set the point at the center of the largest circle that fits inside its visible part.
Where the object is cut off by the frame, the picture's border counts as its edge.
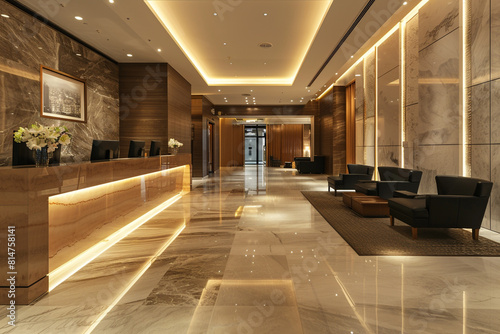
(23, 156)
(104, 150)
(155, 148)
(136, 149)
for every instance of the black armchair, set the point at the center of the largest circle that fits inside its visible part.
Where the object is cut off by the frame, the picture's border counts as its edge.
(274, 162)
(460, 203)
(348, 181)
(391, 179)
(311, 167)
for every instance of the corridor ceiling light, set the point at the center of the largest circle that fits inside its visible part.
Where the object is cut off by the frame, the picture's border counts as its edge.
(79, 18)
(159, 50)
(5, 15)
(129, 55)
(111, 1)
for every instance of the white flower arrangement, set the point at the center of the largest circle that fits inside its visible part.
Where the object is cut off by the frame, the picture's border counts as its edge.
(173, 143)
(38, 136)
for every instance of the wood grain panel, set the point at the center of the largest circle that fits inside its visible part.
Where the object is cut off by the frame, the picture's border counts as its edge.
(179, 109)
(200, 116)
(291, 142)
(231, 143)
(326, 131)
(339, 130)
(143, 105)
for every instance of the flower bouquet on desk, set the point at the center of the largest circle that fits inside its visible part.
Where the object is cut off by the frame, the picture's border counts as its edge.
(174, 146)
(43, 141)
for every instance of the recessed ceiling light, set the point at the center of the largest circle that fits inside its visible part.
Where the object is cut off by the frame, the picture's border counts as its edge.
(218, 90)
(265, 45)
(251, 90)
(308, 90)
(79, 18)
(40, 48)
(405, 3)
(230, 63)
(129, 55)
(5, 15)
(225, 43)
(111, 1)
(352, 56)
(79, 54)
(225, 98)
(358, 75)
(291, 100)
(159, 50)
(265, 14)
(336, 74)
(215, 14)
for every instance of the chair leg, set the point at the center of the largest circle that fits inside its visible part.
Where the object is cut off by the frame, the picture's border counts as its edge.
(475, 233)
(335, 191)
(414, 233)
(392, 220)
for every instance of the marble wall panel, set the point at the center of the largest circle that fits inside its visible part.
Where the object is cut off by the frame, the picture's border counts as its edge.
(412, 119)
(411, 61)
(389, 113)
(481, 168)
(480, 41)
(439, 91)
(389, 156)
(369, 84)
(437, 19)
(480, 112)
(495, 112)
(388, 54)
(495, 193)
(369, 153)
(369, 132)
(26, 43)
(495, 39)
(436, 160)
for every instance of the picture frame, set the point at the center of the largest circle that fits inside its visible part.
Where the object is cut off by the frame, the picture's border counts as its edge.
(63, 96)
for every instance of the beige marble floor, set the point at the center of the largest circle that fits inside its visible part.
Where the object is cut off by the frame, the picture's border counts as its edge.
(255, 257)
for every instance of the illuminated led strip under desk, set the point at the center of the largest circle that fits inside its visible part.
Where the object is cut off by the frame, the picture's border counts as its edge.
(59, 212)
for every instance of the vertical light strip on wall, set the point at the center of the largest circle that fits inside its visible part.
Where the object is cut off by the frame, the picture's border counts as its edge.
(375, 121)
(402, 84)
(466, 168)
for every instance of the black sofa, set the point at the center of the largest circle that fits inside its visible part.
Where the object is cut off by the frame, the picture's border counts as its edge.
(391, 179)
(348, 181)
(317, 166)
(460, 203)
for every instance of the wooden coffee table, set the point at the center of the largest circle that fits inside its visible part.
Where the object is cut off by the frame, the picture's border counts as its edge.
(347, 197)
(370, 206)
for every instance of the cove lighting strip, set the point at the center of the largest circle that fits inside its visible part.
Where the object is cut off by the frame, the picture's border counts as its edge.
(62, 273)
(465, 100)
(402, 88)
(135, 279)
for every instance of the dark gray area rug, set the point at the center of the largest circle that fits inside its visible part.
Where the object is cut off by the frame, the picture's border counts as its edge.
(375, 236)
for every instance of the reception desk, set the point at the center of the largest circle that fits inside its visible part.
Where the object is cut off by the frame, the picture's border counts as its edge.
(51, 215)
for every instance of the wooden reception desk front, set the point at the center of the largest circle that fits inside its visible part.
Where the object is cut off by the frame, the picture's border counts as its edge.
(48, 216)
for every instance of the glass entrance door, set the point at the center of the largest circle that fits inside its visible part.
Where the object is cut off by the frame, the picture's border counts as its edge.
(255, 145)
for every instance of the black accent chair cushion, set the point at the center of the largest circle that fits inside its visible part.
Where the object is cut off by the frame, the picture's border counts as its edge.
(348, 181)
(311, 167)
(391, 179)
(460, 203)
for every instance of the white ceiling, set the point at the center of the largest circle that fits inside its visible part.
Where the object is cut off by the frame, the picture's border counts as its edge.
(301, 43)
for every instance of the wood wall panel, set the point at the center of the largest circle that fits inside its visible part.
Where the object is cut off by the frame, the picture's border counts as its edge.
(339, 130)
(200, 116)
(284, 141)
(143, 104)
(326, 131)
(231, 143)
(179, 109)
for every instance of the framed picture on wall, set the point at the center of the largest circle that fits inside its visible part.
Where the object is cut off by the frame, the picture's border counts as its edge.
(62, 96)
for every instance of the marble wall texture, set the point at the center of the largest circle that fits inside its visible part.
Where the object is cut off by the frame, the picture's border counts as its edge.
(25, 44)
(484, 88)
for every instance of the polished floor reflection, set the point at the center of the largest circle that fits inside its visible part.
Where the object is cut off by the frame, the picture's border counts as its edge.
(256, 257)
